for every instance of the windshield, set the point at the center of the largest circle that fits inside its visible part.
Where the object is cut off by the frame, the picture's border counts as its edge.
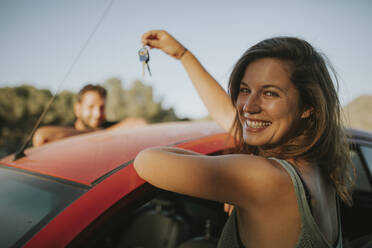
(28, 202)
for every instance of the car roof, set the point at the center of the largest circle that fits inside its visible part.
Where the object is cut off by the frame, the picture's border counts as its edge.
(86, 158)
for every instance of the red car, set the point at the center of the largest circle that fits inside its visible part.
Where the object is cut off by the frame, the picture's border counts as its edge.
(83, 192)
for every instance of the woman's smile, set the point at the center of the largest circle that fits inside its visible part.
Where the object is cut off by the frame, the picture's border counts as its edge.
(253, 125)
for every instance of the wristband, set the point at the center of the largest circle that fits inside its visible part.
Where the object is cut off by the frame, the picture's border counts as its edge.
(183, 53)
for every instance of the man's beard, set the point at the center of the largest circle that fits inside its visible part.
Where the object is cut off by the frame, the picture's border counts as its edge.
(87, 125)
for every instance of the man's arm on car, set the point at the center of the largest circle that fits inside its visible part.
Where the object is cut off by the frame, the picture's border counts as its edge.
(48, 134)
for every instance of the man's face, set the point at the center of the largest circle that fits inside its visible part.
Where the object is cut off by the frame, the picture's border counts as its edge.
(90, 111)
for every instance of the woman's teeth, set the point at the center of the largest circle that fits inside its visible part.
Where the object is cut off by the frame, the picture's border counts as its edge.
(257, 124)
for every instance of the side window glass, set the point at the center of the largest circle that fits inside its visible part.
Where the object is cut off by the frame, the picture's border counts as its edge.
(362, 182)
(367, 153)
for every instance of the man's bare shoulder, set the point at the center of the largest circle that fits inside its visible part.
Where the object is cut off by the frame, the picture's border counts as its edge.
(131, 122)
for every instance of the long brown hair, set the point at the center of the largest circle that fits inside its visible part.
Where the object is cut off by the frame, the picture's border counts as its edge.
(321, 138)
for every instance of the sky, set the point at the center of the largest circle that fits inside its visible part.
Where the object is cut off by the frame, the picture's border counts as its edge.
(40, 39)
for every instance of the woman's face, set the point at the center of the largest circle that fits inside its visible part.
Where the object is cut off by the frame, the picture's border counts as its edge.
(268, 103)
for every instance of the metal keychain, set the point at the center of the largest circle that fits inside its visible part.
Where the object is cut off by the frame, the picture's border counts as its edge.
(144, 57)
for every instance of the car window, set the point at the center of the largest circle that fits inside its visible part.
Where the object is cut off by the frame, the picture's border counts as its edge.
(28, 202)
(151, 217)
(154, 219)
(367, 153)
(362, 183)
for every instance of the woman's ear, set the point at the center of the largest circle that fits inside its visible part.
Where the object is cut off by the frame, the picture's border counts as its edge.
(307, 113)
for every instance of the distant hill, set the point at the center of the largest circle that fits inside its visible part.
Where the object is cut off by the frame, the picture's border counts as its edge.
(358, 113)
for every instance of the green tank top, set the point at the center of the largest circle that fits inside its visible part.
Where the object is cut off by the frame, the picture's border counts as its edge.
(310, 235)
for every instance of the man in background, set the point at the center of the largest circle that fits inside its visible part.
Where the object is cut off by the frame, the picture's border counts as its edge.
(89, 110)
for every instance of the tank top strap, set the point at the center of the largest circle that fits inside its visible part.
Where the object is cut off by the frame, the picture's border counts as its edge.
(304, 207)
(309, 226)
(339, 242)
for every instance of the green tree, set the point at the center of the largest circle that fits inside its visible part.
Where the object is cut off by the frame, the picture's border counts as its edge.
(21, 107)
(115, 100)
(136, 101)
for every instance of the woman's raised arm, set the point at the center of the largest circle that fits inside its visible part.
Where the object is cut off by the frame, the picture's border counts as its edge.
(212, 94)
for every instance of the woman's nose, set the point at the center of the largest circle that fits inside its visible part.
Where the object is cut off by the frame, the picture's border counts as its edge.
(252, 105)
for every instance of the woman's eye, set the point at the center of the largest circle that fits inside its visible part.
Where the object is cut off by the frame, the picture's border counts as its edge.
(270, 93)
(244, 90)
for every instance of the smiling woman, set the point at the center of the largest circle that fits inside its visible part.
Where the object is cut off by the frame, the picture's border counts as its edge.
(291, 160)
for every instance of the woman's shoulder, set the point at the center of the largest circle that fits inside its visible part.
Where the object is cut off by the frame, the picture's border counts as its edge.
(260, 166)
(262, 177)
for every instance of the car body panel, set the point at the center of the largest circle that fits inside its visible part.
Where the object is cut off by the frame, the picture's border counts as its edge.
(103, 151)
(114, 151)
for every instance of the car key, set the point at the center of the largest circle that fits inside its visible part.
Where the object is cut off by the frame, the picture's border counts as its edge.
(144, 57)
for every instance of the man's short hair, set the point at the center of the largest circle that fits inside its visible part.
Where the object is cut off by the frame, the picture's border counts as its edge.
(90, 87)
